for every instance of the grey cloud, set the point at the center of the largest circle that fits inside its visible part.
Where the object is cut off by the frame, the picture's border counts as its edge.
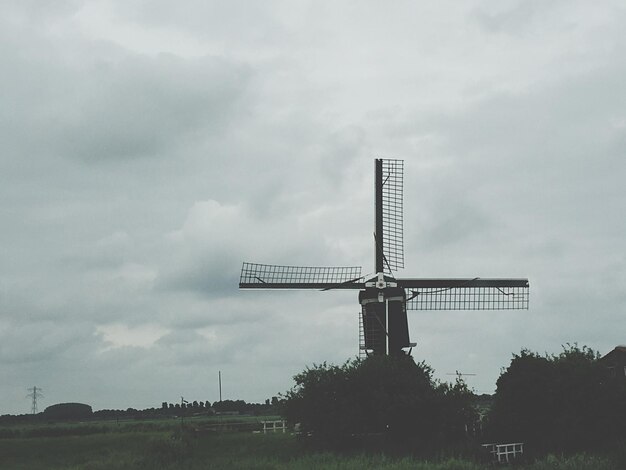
(134, 185)
(125, 106)
(223, 21)
(512, 17)
(28, 11)
(37, 341)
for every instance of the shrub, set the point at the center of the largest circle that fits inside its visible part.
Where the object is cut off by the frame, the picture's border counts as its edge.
(381, 395)
(557, 402)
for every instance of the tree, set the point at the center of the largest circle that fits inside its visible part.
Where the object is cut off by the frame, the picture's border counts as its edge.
(384, 395)
(457, 410)
(563, 401)
(522, 402)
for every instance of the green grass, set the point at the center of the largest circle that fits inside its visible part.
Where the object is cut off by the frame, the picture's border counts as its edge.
(167, 450)
(218, 451)
(575, 462)
(40, 429)
(119, 450)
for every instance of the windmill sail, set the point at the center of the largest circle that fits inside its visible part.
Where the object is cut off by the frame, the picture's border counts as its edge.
(391, 214)
(466, 294)
(270, 276)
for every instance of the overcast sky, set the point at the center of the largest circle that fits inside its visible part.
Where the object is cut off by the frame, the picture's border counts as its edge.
(149, 147)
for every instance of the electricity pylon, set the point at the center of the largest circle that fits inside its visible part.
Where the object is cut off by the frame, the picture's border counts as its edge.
(36, 393)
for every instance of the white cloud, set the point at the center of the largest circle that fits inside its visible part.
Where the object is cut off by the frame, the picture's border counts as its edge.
(117, 335)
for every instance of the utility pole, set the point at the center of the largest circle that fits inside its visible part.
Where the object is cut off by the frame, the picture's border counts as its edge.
(219, 378)
(183, 402)
(36, 393)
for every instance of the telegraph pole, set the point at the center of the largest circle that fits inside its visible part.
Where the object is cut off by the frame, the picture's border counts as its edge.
(35, 393)
(183, 402)
(219, 379)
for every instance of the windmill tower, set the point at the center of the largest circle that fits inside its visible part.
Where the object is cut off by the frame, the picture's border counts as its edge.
(385, 299)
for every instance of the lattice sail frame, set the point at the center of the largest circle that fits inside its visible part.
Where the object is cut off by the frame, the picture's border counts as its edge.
(468, 298)
(254, 275)
(392, 212)
(421, 294)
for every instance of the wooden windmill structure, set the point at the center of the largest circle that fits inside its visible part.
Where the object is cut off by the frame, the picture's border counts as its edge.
(385, 299)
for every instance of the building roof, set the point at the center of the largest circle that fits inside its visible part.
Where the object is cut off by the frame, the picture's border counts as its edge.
(617, 351)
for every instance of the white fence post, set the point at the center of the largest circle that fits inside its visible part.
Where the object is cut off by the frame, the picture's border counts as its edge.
(504, 452)
(274, 426)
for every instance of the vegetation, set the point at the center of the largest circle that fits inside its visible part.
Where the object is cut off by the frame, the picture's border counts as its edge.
(189, 451)
(386, 396)
(76, 411)
(166, 425)
(565, 402)
(382, 412)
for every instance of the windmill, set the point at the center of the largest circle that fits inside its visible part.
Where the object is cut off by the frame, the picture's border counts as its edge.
(385, 299)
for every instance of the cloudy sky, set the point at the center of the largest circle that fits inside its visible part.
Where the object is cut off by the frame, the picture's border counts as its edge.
(149, 147)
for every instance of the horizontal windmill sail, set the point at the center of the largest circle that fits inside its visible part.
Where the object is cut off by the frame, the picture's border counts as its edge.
(466, 294)
(271, 276)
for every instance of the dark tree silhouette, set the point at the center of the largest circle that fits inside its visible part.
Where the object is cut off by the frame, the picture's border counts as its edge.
(565, 401)
(381, 395)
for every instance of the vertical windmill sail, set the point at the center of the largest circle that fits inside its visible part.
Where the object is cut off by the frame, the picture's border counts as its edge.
(391, 214)
(384, 299)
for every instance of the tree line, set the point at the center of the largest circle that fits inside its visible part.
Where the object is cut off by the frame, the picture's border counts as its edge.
(224, 406)
(564, 402)
(75, 411)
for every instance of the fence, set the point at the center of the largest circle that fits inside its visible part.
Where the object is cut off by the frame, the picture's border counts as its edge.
(274, 426)
(505, 452)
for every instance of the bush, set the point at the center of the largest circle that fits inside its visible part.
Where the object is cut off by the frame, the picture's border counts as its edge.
(381, 395)
(558, 402)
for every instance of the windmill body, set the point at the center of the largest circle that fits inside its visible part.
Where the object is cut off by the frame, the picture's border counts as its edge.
(385, 299)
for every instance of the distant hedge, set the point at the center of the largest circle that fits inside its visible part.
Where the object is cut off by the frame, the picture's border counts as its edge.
(68, 411)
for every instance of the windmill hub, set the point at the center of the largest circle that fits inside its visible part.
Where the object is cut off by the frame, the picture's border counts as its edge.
(381, 282)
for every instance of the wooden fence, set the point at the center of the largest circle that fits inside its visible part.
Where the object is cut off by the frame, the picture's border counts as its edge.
(274, 426)
(504, 453)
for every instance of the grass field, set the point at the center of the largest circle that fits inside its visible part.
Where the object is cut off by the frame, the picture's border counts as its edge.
(41, 429)
(124, 448)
